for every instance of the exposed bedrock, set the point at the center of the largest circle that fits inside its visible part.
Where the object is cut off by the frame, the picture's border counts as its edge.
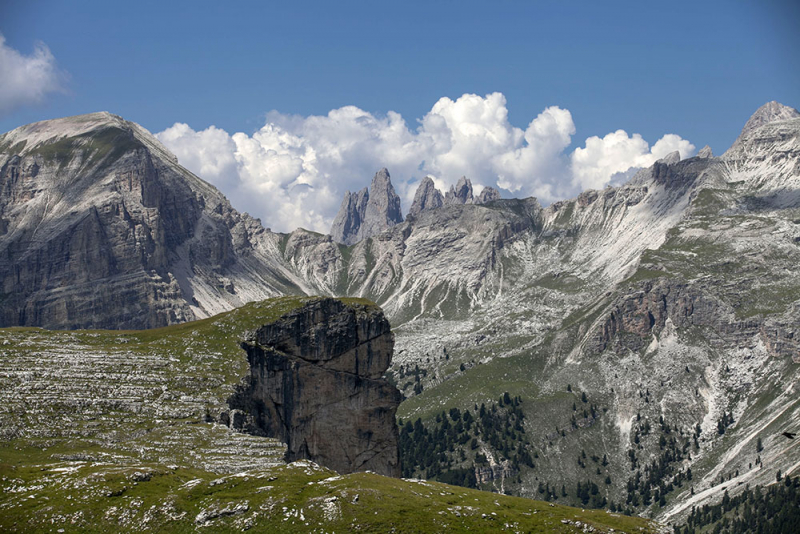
(633, 317)
(316, 383)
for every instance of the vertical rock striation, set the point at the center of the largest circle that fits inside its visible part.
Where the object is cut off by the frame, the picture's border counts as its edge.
(316, 383)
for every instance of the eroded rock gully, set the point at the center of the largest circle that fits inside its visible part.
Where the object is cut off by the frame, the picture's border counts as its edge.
(316, 383)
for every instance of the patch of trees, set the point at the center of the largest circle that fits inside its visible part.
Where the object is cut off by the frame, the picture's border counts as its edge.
(653, 481)
(760, 510)
(449, 448)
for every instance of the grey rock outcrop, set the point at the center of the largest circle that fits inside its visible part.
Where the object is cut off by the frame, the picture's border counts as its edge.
(367, 213)
(316, 384)
(645, 311)
(461, 193)
(427, 197)
(487, 195)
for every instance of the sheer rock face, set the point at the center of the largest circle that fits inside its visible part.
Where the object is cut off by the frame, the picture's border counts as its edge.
(427, 197)
(461, 193)
(366, 214)
(316, 384)
(487, 195)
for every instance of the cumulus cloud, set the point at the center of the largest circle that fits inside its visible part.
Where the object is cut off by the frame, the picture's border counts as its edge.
(618, 154)
(26, 80)
(294, 171)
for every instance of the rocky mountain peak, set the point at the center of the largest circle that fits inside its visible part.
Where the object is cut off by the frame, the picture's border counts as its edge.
(461, 193)
(100, 206)
(32, 136)
(769, 112)
(772, 123)
(487, 195)
(367, 213)
(705, 152)
(671, 158)
(427, 197)
(348, 220)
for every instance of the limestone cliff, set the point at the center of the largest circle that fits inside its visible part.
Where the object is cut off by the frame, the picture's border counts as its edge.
(316, 384)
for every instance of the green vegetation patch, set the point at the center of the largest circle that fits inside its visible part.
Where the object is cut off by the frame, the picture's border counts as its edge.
(775, 508)
(452, 447)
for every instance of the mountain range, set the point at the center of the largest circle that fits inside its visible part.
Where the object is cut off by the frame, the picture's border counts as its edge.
(654, 325)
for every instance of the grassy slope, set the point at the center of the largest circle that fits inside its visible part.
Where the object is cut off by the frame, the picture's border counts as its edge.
(95, 484)
(39, 495)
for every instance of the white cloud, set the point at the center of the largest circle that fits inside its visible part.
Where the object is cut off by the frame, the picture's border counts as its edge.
(546, 138)
(294, 171)
(26, 80)
(601, 159)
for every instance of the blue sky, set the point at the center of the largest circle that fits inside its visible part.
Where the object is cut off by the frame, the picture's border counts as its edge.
(694, 69)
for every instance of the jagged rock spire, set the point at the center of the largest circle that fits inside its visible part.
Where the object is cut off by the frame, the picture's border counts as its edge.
(705, 152)
(367, 213)
(348, 221)
(427, 197)
(461, 193)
